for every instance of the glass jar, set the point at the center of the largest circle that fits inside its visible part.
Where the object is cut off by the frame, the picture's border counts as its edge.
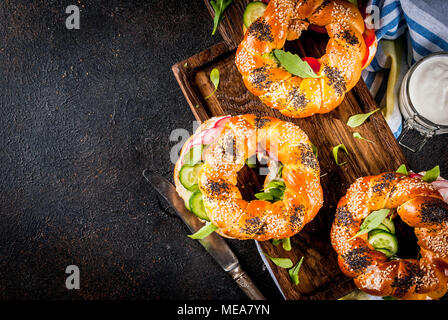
(413, 120)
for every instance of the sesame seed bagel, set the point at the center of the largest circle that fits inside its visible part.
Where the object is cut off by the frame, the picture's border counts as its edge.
(240, 138)
(420, 206)
(340, 67)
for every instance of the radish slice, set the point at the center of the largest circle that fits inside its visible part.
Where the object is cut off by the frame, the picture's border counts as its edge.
(197, 139)
(207, 136)
(272, 156)
(211, 135)
(221, 122)
(415, 175)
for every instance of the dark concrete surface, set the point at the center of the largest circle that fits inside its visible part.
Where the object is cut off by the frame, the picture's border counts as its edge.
(83, 112)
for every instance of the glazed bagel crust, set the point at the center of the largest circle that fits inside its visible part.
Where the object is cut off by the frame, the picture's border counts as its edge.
(420, 206)
(242, 137)
(341, 65)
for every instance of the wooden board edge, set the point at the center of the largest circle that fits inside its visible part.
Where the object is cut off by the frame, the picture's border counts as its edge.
(183, 71)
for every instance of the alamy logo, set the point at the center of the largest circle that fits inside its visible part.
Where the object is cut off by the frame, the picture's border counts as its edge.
(73, 21)
(72, 281)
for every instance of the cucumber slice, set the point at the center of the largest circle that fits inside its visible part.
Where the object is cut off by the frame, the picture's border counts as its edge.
(380, 239)
(254, 10)
(188, 176)
(194, 155)
(385, 251)
(197, 205)
(389, 224)
(187, 200)
(382, 227)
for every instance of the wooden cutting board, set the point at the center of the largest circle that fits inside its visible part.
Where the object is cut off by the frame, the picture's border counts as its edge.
(320, 277)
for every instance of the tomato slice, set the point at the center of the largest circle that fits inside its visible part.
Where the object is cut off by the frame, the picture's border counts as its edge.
(313, 62)
(366, 56)
(369, 36)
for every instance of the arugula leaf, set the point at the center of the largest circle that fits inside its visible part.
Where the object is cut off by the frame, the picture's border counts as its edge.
(251, 162)
(214, 78)
(219, 6)
(275, 184)
(314, 148)
(293, 64)
(359, 119)
(432, 174)
(373, 220)
(402, 169)
(280, 171)
(277, 193)
(264, 196)
(276, 242)
(294, 272)
(281, 262)
(274, 191)
(354, 2)
(205, 231)
(357, 135)
(335, 153)
(286, 244)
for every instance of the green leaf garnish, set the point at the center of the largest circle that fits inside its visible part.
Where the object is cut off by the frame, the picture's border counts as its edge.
(251, 162)
(264, 196)
(373, 220)
(402, 169)
(293, 64)
(270, 55)
(357, 135)
(205, 231)
(335, 153)
(294, 272)
(219, 6)
(277, 193)
(276, 242)
(214, 78)
(432, 174)
(286, 244)
(275, 184)
(273, 191)
(314, 148)
(280, 171)
(359, 119)
(389, 298)
(354, 2)
(281, 262)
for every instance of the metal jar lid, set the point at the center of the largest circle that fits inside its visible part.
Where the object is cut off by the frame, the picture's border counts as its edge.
(412, 119)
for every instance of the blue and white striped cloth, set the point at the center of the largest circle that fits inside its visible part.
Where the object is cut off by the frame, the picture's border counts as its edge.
(424, 27)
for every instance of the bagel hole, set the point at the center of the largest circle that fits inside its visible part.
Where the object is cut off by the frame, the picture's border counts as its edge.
(249, 181)
(407, 240)
(310, 44)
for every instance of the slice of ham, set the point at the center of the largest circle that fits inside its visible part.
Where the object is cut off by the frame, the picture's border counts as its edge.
(444, 193)
(440, 184)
